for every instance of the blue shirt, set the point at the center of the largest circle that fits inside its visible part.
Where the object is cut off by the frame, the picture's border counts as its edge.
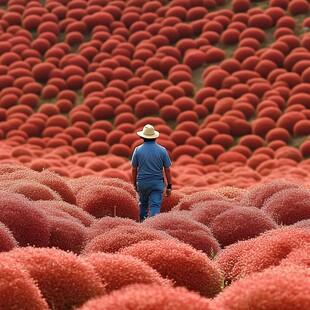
(150, 158)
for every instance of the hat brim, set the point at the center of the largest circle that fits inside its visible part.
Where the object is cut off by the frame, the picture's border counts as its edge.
(142, 135)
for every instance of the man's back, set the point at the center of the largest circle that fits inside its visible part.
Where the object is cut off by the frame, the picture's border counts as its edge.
(150, 158)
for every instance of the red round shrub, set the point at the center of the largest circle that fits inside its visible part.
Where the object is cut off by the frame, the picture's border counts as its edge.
(234, 225)
(18, 214)
(262, 126)
(271, 112)
(288, 152)
(231, 157)
(131, 270)
(289, 119)
(8, 242)
(24, 289)
(32, 190)
(224, 140)
(214, 150)
(63, 279)
(121, 237)
(154, 296)
(296, 7)
(206, 211)
(258, 254)
(67, 234)
(194, 59)
(256, 160)
(188, 201)
(252, 32)
(146, 107)
(184, 150)
(105, 224)
(298, 256)
(122, 150)
(112, 204)
(259, 194)
(157, 255)
(267, 287)
(186, 230)
(179, 137)
(305, 148)
(240, 5)
(288, 206)
(42, 71)
(253, 142)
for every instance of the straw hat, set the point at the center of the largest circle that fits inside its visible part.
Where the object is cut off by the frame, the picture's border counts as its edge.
(148, 132)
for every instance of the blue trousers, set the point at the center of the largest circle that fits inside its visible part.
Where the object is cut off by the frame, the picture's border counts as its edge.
(150, 194)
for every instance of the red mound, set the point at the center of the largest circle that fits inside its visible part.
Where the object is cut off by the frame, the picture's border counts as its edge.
(268, 287)
(63, 279)
(288, 206)
(257, 195)
(146, 296)
(107, 201)
(117, 271)
(238, 224)
(179, 226)
(121, 237)
(257, 254)
(18, 288)
(180, 263)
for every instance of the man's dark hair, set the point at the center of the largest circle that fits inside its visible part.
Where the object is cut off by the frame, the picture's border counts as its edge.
(146, 140)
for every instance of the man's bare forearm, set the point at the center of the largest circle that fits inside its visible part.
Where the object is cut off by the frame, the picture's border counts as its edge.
(134, 172)
(168, 175)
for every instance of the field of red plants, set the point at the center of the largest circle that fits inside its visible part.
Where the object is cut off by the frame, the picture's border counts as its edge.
(227, 85)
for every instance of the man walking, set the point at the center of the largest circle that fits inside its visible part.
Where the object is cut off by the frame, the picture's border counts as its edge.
(149, 160)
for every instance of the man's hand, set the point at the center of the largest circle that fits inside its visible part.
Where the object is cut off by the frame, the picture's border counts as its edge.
(168, 190)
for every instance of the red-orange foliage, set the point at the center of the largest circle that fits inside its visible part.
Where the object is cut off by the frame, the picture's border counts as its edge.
(63, 279)
(146, 296)
(117, 271)
(159, 255)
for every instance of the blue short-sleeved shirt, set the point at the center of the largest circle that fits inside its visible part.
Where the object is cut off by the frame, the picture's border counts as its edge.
(150, 158)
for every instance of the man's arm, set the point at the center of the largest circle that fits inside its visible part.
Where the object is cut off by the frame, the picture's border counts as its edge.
(134, 173)
(169, 181)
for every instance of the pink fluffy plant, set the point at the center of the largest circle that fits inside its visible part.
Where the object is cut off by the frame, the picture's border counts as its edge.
(18, 290)
(206, 211)
(187, 202)
(289, 206)
(65, 210)
(180, 263)
(257, 254)
(169, 202)
(32, 190)
(303, 224)
(7, 240)
(122, 236)
(117, 270)
(28, 224)
(67, 234)
(105, 224)
(275, 288)
(258, 194)
(50, 179)
(105, 200)
(179, 225)
(149, 297)
(63, 279)
(299, 256)
(240, 223)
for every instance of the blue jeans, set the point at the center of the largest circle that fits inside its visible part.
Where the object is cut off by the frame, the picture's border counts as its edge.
(150, 193)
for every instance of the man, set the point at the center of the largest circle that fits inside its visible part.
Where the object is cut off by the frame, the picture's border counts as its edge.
(149, 160)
